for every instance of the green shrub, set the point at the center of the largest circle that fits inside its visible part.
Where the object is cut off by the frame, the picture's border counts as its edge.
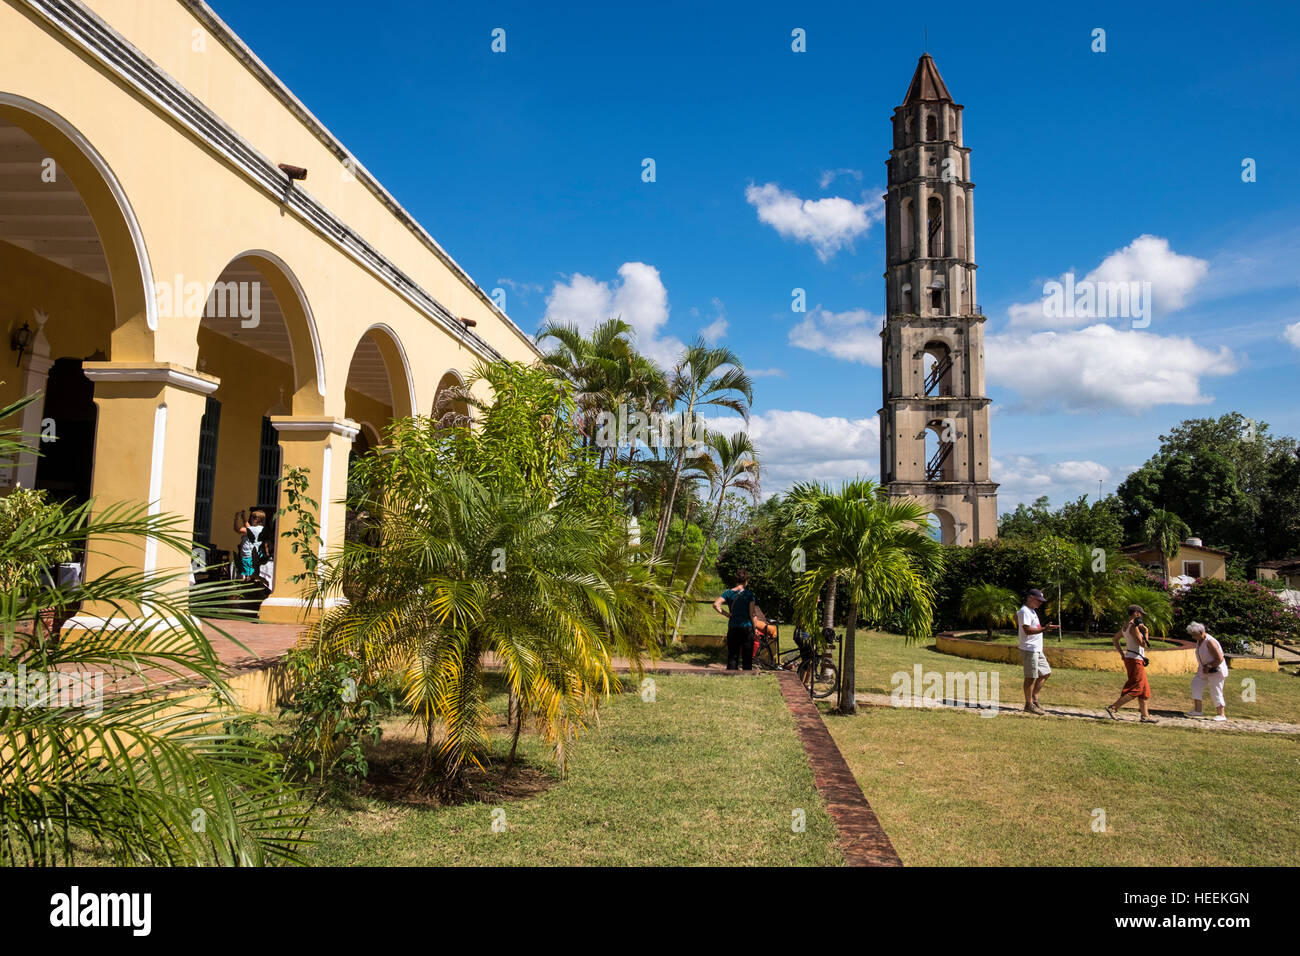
(1242, 608)
(21, 511)
(758, 551)
(1006, 564)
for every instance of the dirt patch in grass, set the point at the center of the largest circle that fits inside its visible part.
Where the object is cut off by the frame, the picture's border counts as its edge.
(395, 768)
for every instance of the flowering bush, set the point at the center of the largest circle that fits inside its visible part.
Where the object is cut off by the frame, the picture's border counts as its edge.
(1241, 608)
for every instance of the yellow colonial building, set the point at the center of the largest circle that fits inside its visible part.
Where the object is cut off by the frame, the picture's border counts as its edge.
(202, 282)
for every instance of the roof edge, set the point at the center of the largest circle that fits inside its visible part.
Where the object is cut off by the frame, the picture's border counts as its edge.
(242, 52)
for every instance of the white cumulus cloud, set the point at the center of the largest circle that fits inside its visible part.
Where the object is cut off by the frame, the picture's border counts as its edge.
(853, 335)
(828, 225)
(797, 446)
(1292, 334)
(829, 176)
(1103, 367)
(1147, 259)
(638, 297)
(716, 330)
(1023, 478)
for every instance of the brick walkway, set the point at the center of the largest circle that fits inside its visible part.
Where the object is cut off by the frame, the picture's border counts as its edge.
(1129, 714)
(263, 645)
(862, 839)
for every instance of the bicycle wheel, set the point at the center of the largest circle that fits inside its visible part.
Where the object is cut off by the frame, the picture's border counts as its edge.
(825, 678)
(765, 658)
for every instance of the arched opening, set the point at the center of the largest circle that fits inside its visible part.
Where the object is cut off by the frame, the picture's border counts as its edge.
(378, 392)
(959, 224)
(932, 128)
(257, 336)
(77, 287)
(72, 281)
(934, 227)
(449, 405)
(940, 445)
(942, 526)
(378, 388)
(907, 227)
(937, 369)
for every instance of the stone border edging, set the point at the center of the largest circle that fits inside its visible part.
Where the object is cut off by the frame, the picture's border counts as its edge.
(1171, 660)
(860, 836)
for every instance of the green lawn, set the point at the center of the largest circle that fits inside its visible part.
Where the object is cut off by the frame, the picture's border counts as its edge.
(879, 656)
(709, 773)
(954, 788)
(702, 619)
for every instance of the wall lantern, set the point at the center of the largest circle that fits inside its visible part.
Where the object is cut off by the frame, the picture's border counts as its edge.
(19, 341)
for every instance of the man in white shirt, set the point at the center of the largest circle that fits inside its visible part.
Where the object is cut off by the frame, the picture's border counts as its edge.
(1030, 633)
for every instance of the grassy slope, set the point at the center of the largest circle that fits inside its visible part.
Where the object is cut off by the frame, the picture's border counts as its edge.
(959, 789)
(707, 774)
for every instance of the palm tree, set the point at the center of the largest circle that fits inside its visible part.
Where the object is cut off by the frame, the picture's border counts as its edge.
(101, 770)
(989, 604)
(1091, 590)
(1157, 605)
(587, 363)
(734, 468)
(879, 548)
(1165, 532)
(469, 572)
(705, 376)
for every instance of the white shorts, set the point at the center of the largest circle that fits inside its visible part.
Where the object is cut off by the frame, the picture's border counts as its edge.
(1214, 682)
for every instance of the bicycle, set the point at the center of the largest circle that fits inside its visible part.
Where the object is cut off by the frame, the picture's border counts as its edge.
(816, 671)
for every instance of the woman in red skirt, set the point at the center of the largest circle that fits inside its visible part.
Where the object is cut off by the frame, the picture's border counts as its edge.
(1136, 642)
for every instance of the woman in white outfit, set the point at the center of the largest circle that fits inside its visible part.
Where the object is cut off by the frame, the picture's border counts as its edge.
(1211, 671)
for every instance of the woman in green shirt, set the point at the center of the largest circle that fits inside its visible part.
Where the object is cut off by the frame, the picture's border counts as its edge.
(740, 628)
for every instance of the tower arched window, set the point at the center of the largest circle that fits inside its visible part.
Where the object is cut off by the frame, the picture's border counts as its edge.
(940, 448)
(907, 227)
(934, 227)
(936, 364)
(931, 128)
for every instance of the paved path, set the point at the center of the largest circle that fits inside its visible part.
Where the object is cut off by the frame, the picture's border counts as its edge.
(861, 838)
(1168, 718)
(1284, 654)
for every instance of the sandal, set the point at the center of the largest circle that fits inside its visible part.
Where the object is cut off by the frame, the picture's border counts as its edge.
(1113, 715)
(1148, 720)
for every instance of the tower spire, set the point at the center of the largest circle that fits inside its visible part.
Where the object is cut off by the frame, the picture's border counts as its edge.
(927, 85)
(934, 420)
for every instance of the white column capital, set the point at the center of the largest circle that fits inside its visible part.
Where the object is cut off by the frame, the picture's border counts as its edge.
(164, 373)
(344, 427)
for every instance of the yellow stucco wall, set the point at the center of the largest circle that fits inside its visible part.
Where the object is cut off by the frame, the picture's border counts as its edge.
(167, 203)
(1212, 565)
(1179, 660)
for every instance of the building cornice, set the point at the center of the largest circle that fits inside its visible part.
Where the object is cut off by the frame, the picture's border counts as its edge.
(82, 27)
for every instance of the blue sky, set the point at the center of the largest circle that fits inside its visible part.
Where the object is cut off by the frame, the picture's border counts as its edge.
(527, 166)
